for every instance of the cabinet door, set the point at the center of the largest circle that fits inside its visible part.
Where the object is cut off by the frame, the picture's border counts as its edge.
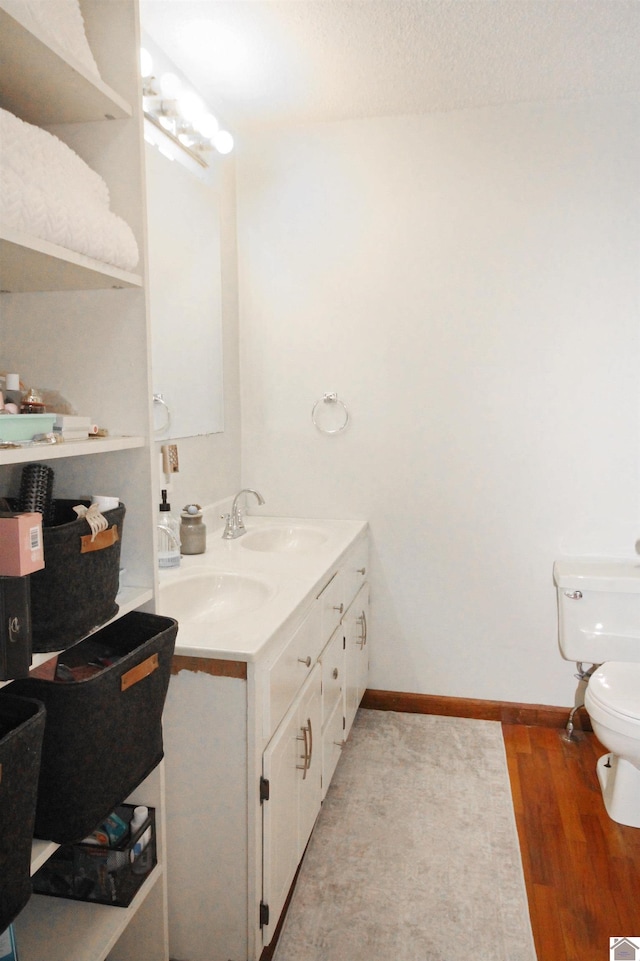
(332, 743)
(332, 660)
(357, 654)
(310, 780)
(292, 765)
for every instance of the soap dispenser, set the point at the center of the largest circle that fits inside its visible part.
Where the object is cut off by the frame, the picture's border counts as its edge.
(168, 536)
(193, 533)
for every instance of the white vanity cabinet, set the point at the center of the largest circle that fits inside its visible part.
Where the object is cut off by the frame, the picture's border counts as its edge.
(251, 746)
(320, 733)
(74, 324)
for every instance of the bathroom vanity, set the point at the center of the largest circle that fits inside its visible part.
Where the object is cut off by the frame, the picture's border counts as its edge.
(271, 664)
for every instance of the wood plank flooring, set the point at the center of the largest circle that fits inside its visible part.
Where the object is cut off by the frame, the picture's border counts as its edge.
(582, 870)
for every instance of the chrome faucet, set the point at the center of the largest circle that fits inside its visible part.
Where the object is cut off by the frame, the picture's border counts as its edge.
(234, 525)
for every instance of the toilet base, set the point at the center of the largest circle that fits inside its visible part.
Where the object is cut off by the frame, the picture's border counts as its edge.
(620, 784)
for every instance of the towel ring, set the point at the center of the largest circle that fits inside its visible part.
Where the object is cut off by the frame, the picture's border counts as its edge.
(330, 398)
(159, 399)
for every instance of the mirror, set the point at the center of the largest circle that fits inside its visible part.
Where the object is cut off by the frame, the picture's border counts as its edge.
(184, 289)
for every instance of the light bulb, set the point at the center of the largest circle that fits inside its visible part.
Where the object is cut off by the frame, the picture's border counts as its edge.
(146, 63)
(207, 125)
(223, 142)
(191, 106)
(170, 85)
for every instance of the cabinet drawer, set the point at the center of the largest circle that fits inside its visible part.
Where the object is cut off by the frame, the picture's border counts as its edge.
(332, 604)
(355, 570)
(289, 672)
(332, 674)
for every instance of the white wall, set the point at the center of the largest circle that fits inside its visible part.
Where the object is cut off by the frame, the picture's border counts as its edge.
(468, 283)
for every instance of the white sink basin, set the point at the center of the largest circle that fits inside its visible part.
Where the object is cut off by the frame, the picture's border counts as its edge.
(209, 596)
(283, 540)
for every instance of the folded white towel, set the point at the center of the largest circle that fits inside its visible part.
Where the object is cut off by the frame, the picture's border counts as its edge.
(40, 158)
(48, 191)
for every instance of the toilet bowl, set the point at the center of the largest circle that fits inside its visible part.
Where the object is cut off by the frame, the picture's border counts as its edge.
(599, 623)
(612, 700)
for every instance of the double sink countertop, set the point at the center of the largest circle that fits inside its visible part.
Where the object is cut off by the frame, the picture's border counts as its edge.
(233, 600)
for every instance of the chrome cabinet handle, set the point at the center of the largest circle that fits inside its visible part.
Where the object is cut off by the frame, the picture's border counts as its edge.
(305, 660)
(304, 767)
(362, 640)
(335, 673)
(361, 570)
(573, 595)
(340, 609)
(308, 748)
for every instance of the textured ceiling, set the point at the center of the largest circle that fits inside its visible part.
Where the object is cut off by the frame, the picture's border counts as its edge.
(265, 63)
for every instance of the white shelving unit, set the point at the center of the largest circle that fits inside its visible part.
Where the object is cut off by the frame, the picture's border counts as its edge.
(30, 264)
(78, 448)
(44, 85)
(70, 323)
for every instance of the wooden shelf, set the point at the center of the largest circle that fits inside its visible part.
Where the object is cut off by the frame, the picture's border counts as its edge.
(30, 264)
(71, 448)
(56, 923)
(44, 85)
(41, 851)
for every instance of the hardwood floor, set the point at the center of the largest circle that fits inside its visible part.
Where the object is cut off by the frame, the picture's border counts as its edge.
(582, 870)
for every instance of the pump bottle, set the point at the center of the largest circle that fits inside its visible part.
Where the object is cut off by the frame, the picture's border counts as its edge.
(168, 536)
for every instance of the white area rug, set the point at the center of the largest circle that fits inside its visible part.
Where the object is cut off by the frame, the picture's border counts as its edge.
(415, 854)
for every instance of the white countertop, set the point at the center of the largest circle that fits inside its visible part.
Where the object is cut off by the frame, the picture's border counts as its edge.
(293, 579)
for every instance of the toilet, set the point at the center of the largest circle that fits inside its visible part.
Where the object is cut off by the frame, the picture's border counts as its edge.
(599, 624)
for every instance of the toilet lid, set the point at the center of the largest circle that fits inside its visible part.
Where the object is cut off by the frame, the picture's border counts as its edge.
(616, 686)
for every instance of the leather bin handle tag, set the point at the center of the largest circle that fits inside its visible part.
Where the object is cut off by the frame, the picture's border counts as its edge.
(137, 673)
(104, 539)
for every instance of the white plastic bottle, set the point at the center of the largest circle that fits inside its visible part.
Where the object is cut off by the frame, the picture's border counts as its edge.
(168, 535)
(141, 852)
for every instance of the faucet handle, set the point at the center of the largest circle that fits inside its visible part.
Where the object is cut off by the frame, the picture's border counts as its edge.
(227, 524)
(236, 518)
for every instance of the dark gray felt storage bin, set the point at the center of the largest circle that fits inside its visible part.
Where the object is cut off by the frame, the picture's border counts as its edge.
(103, 734)
(76, 590)
(21, 730)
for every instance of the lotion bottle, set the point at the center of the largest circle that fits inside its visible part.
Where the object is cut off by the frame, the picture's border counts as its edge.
(168, 535)
(141, 852)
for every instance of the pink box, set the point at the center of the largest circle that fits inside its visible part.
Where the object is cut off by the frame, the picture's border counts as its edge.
(21, 544)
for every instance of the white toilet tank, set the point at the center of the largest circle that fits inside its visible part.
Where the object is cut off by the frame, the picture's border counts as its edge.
(598, 610)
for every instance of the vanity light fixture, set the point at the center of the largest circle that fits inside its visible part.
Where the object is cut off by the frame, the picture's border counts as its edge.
(181, 114)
